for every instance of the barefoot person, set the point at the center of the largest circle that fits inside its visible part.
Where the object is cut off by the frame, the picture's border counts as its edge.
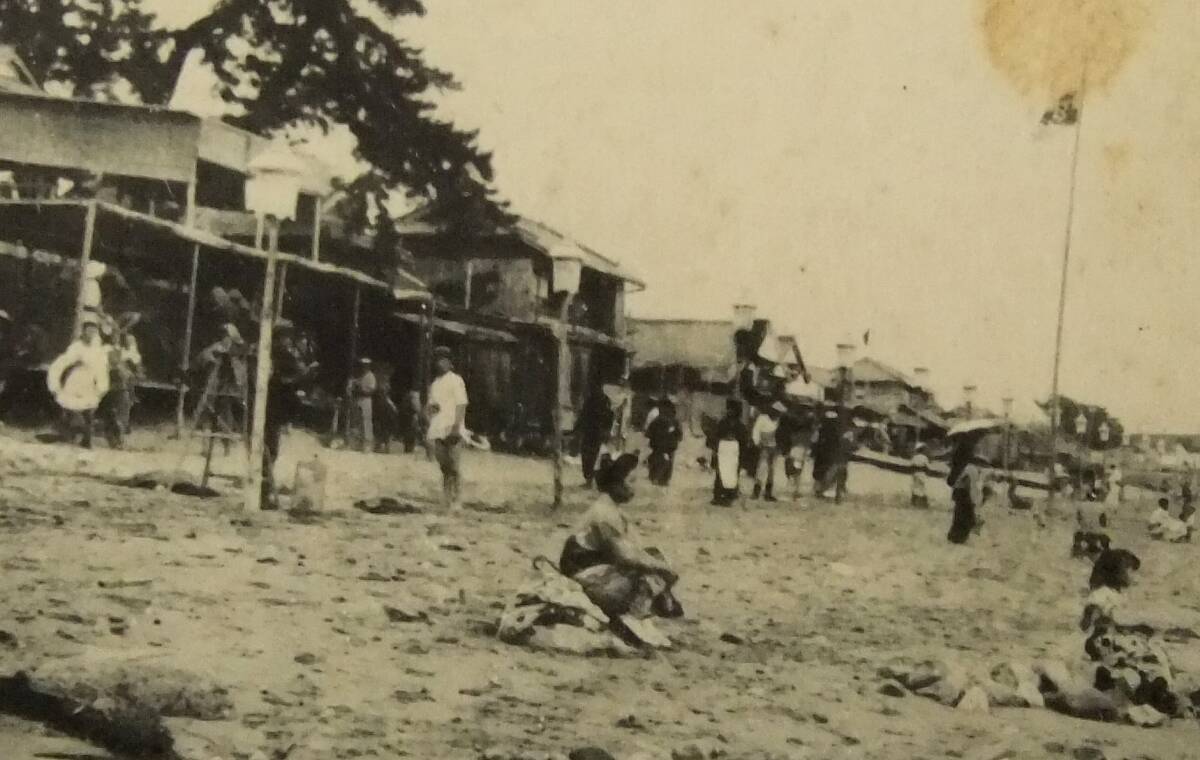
(604, 557)
(447, 413)
(764, 437)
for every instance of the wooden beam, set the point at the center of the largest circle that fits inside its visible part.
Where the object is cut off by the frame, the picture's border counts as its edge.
(85, 256)
(185, 361)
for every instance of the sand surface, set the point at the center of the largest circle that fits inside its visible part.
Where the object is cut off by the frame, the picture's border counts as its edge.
(811, 598)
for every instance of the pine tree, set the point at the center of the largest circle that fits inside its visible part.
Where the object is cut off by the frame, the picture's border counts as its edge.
(282, 63)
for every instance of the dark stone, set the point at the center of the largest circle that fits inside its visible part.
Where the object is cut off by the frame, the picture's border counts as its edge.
(892, 689)
(589, 753)
(732, 638)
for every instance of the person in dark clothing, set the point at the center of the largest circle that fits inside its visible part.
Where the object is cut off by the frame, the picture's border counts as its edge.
(285, 392)
(729, 439)
(386, 416)
(968, 484)
(664, 435)
(592, 429)
(825, 453)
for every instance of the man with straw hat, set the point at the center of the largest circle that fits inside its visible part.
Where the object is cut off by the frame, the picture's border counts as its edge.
(447, 413)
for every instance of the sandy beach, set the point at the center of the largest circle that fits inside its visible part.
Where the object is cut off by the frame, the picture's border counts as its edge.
(790, 610)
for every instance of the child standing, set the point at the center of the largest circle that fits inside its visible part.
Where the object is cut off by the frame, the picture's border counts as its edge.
(763, 438)
(664, 434)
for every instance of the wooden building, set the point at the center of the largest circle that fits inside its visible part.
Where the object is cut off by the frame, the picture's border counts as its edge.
(497, 307)
(159, 197)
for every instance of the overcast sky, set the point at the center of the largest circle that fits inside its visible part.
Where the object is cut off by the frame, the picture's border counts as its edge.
(850, 166)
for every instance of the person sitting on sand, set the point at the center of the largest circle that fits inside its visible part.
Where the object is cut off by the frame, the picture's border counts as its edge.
(602, 555)
(1164, 527)
(1130, 662)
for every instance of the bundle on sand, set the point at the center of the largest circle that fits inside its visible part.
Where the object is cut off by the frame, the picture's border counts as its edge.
(127, 728)
(553, 612)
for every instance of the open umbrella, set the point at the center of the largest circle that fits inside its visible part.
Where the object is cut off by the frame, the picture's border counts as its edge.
(978, 427)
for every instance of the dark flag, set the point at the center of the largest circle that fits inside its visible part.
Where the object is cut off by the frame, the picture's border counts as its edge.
(1065, 113)
(800, 361)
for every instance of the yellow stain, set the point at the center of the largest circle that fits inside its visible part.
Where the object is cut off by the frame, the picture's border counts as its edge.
(1046, 48)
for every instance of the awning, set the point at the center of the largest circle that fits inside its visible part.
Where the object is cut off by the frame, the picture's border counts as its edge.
(59, 224)
(473, 332)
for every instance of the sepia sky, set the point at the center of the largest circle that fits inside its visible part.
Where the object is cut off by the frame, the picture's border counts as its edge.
(851, 166)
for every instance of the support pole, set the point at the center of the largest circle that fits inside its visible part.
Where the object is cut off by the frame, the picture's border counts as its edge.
(189, 213)
(470, 273)
(1055, 423)
(354, 327)
(561, 387)
(85, 256)
(282, 291)
(262, 375)
(316, 238)
(185, 361)
(425, 351)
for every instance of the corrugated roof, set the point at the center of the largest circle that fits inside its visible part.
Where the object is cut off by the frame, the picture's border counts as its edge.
(690, 343)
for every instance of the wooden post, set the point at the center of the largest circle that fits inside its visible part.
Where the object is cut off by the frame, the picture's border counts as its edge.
(185, 362)
(467, 285)
(259, 229)
(262, 376)
(561, 386)
(189, 213)
(354, 326)
(279, 294)
(318, 212)
(85, 256)
(425, 350)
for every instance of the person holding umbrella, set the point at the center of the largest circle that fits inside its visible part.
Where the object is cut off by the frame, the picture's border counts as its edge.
(968, 480)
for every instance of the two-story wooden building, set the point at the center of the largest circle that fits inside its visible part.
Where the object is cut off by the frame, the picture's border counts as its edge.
(158, 196)
(497, 307)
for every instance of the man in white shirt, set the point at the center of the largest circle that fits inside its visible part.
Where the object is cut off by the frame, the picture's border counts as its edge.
(447, 414)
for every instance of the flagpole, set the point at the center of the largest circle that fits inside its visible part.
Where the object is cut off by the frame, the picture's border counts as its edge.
(1062, 293)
